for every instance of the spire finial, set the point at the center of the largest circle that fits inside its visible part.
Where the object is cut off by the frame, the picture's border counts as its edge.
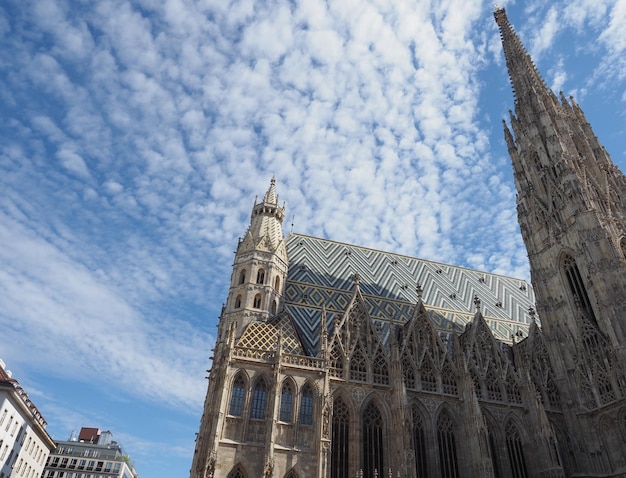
(477, 303)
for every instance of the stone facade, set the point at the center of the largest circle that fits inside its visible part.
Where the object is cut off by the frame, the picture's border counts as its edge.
(338, 361)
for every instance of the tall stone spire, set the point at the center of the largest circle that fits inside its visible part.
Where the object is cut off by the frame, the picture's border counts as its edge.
(571, 202)
(571, 205)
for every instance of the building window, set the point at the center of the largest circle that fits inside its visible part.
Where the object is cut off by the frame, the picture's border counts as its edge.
(419, 444)
(577, 287)
(260, 276)
(274, 307)
(373, 448)
(238, 302)
(242, 276)
(409, 374)
(381, 371)
(358, 366)
(339, 455)
(515, 451)
(259, 400)
(286, 402)
(257, 301)
(336, 361)
(4, 414)
(237, 472)
(277, 284)
(306, 405)
(237, 396)
(446, 441)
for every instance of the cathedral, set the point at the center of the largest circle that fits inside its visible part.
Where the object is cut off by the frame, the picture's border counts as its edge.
(335, 361)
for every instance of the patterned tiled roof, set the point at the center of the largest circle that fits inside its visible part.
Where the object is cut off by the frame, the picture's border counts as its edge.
(321, 273)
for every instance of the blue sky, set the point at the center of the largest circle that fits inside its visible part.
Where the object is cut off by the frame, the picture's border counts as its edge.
(134, 136)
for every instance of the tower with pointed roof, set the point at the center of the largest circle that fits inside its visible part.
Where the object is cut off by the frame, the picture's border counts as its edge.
(571, 202)
(260, 266)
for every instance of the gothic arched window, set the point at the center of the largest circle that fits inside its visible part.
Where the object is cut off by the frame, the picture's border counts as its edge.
(336, 361)
(260, 276)
(577, 287)
(238, 302)
(277, 284)
(237, 472)
(259, 400)
(419, 444)
(446, 441)
(237, 396)
(257, 301)
(381, 370)
(306, 405)
(286, 401)
(242, 276)
(373, 447)
(516, 451)
(358, 365)
(340, 443)
(428, 377)
(274, 306)
(408, 374)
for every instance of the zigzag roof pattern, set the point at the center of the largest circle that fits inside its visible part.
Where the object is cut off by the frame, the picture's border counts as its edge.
(321, 273)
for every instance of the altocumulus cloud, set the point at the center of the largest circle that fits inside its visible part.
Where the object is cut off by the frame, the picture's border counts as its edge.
(135, 136)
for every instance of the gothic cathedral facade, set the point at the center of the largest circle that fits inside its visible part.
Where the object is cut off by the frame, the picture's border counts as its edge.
(336, 361)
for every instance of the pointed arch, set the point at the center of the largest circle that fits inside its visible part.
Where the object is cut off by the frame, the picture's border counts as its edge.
(446, 443)
(259, 399)
(358, 364)
(242, 276)
(292, 474)
(237, 472)
(238, 394)
(418, 443)
(492, 384)
(408, 373)
(256, 304)
(576, 285)
(287, 400)
(449, 378)
(515, 450)
(373, 445)
(277, 284)
(380, 368)
(340, 443)
(428, 376)
(336, 361)
(238, 302)
(260, 276)
(307, 401)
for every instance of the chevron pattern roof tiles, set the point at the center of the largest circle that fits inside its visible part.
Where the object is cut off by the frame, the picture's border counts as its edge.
(321, 273)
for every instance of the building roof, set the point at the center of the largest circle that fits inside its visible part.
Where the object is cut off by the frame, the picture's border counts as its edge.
(321, 274)
(12, 384)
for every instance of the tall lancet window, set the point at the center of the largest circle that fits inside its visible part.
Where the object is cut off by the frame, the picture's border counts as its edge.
(577, 287)
(259, 400)
(446, 441)
(373, 447)
(419, 444)
(237, 395)
(339, 455)
(286, 402)
(515, 451)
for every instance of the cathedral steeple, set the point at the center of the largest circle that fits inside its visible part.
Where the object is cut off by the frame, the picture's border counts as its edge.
(571, 204)
(260, 267)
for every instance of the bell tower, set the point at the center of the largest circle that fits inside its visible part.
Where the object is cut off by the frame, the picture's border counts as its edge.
(260, 266)
(571, 205)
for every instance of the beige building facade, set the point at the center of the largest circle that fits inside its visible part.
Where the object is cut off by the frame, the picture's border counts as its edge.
(337, 361)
